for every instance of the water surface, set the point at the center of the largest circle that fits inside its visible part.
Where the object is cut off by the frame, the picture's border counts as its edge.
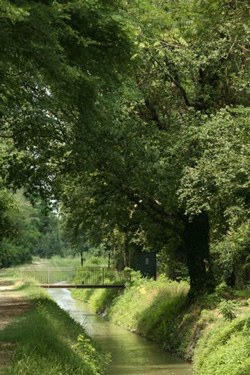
(131, 354)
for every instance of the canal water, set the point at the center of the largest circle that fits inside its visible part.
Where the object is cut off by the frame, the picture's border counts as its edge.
(131, 354)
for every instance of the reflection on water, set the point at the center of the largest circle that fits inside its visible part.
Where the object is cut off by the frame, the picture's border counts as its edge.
(131, 354)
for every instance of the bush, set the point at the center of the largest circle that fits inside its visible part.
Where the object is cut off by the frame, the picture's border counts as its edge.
(11, 254)
(233, 260)
(228, 309)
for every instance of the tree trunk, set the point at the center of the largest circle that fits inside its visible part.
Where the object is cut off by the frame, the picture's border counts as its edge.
(126, 254)
(196, 243)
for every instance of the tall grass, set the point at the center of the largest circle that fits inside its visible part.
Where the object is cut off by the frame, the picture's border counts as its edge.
(48, 342)
(56, 261)
(148, 307)
(225, 349)
(215, 327)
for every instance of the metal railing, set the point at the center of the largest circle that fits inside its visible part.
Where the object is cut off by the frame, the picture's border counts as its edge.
(48, 275)
(100, 275)
(76, 275)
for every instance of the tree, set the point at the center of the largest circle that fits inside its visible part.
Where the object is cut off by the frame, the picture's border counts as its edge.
(50, 241)
(126, 144)
(56, 57)
(142, 159)
(19, 229)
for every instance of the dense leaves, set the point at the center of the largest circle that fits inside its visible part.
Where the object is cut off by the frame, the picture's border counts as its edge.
(56, 57)
(26, 230)
(135, 117)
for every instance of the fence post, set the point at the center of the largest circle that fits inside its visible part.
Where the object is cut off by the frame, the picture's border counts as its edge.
(103, 276)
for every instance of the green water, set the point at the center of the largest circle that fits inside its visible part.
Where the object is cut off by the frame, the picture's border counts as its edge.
(131, 354)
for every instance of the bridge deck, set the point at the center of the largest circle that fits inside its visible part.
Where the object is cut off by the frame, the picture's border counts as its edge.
(83, 286)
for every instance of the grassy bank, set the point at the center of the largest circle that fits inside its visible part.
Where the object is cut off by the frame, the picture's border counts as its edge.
(214, 331)
(147, 307)
(224, 347)
(47, 341)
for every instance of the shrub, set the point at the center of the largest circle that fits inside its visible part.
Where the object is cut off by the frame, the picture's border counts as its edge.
(228, 309)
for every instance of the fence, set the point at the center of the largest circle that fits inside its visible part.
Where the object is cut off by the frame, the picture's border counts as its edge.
(77, 275)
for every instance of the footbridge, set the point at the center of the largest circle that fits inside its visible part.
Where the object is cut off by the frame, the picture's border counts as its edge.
(76, 277)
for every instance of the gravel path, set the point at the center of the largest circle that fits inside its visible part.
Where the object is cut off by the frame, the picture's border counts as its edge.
(12, 304)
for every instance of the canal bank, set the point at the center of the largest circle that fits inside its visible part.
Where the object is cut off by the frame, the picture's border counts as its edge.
(39, 338)
(131, 354)
(156, 310)
(213, 332)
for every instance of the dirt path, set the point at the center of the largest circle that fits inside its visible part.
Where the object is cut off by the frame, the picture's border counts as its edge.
(12, 304)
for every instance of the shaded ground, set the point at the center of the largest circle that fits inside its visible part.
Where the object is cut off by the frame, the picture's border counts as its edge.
(12, 304)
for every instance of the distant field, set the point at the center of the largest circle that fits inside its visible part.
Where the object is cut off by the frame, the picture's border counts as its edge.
(49, 270)
(56, 262)
(56, 270)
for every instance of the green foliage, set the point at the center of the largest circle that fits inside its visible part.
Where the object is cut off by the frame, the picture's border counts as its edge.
(50, 241)
(228, 309)
(244, 293)
(56, 261)
(219, 181)
(66, 54)
(221, 289)
(232, 255)
(84, 294)
(176, 135)
(172, 265)
(99, 299)
(26, 230)
(12, 254)
(6, 203)
(19, 233)
(136, 149)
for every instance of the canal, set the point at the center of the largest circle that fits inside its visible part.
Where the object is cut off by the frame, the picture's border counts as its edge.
(131, 354)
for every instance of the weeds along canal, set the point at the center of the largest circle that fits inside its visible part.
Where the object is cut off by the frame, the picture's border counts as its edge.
(131, 354)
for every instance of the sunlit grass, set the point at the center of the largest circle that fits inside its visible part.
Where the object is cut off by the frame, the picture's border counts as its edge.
(46, 340)
(56, 261)
(147, 307)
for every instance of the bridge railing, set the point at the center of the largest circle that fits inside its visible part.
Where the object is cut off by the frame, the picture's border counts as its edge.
(100, 276)
(48, 275)
(76, 275)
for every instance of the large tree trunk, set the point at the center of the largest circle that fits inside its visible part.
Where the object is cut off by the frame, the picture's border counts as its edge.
(196, 243)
